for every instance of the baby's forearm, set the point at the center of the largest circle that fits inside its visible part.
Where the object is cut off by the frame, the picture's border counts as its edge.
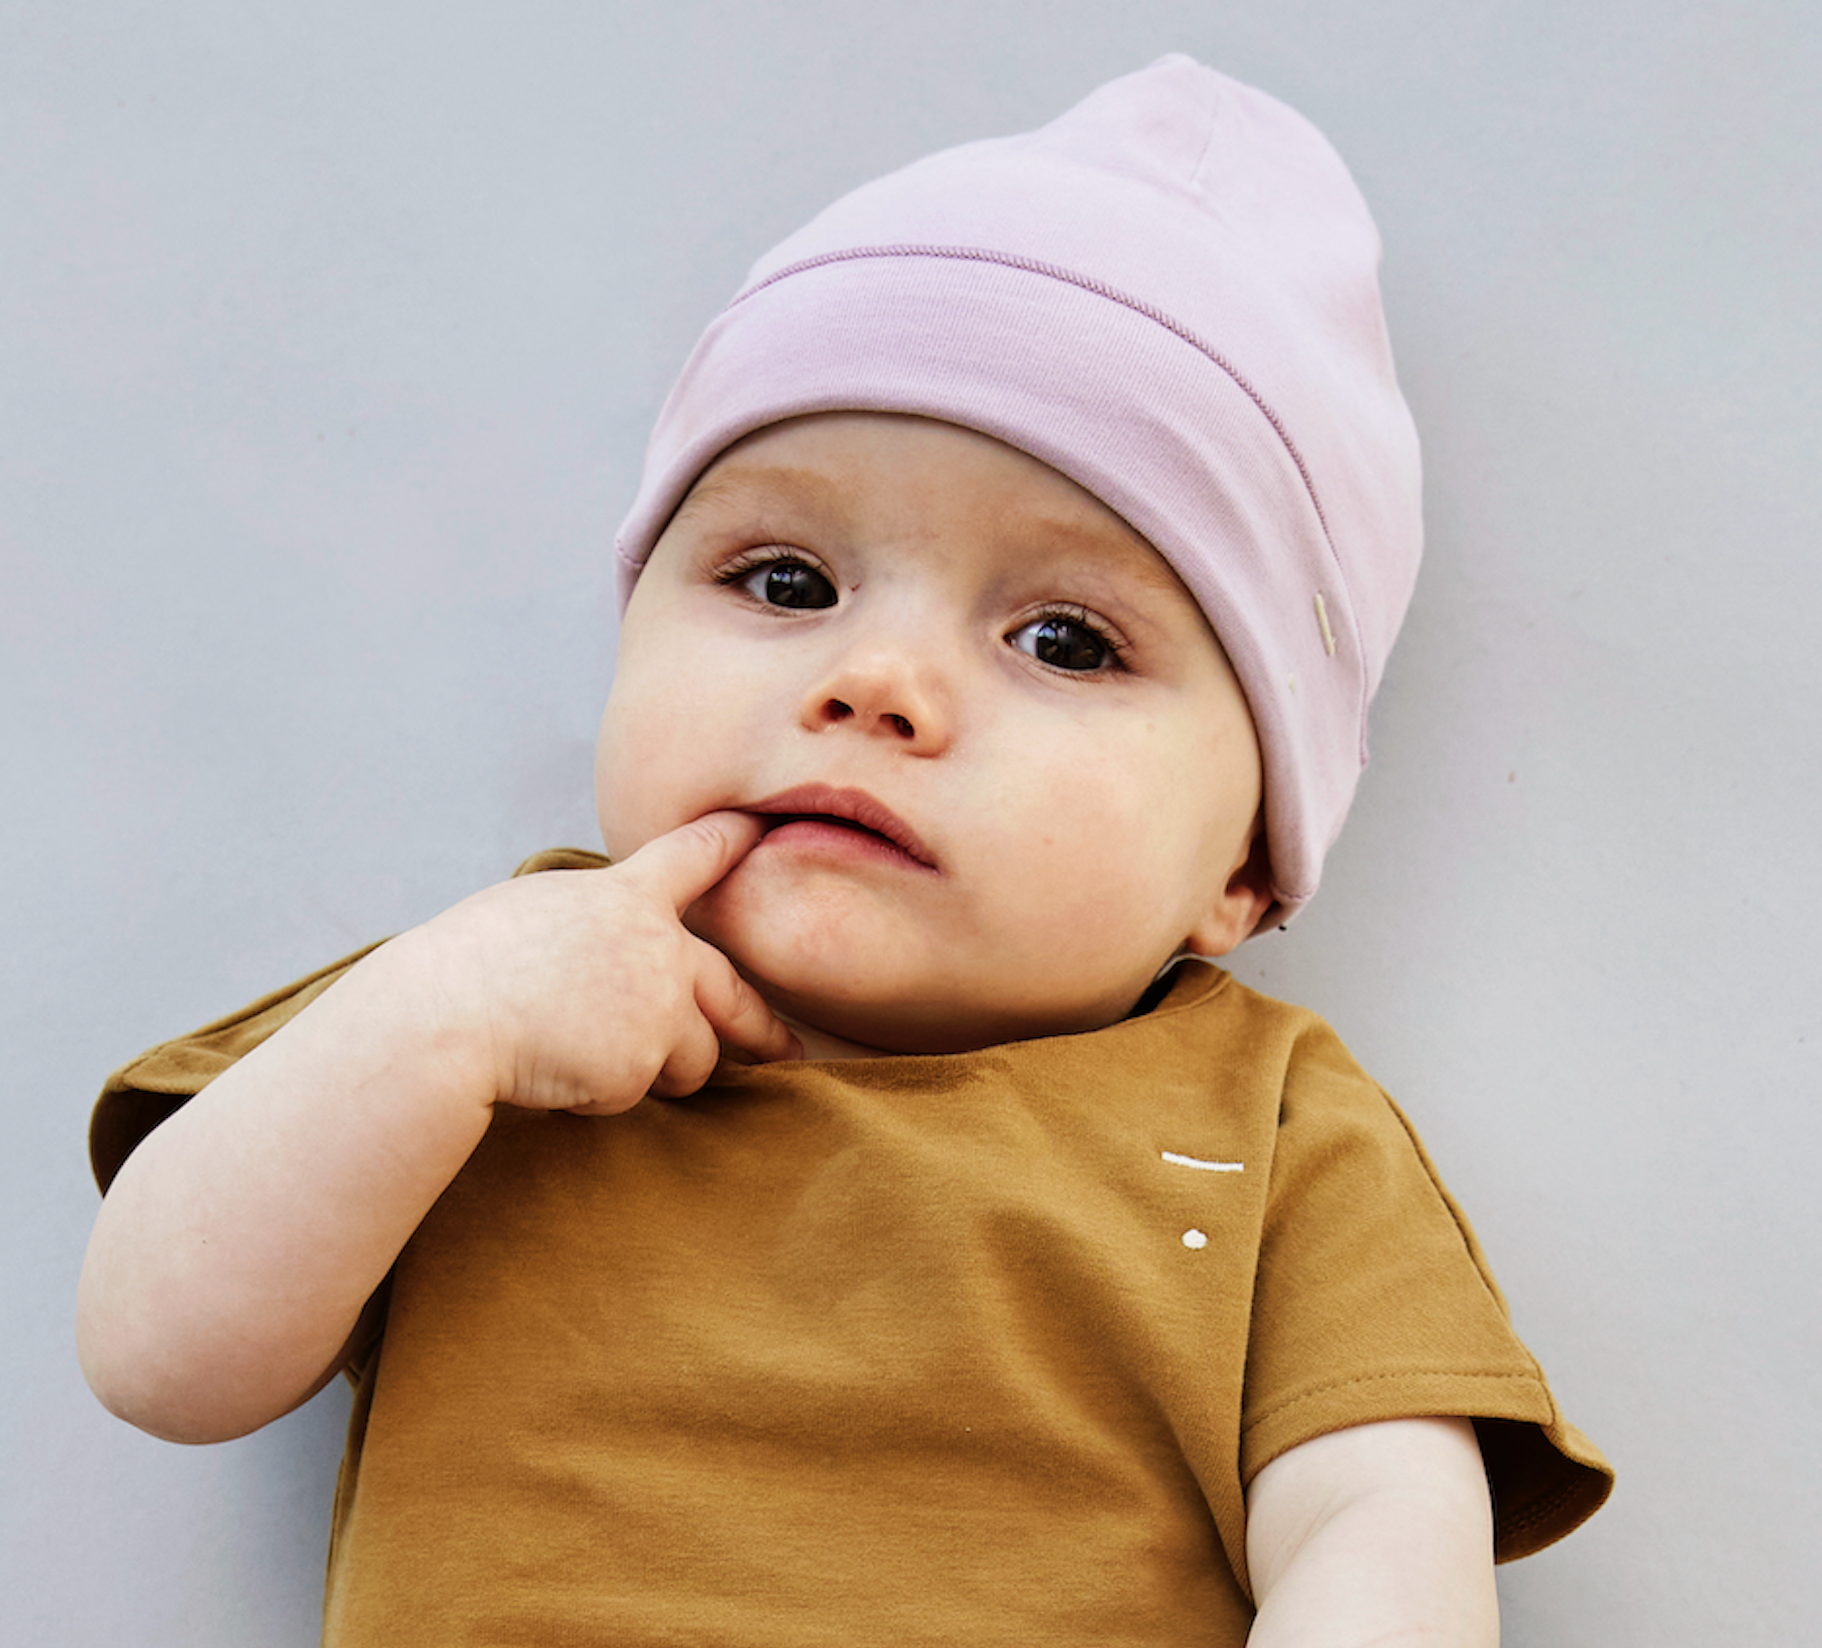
(1375, 1536)
(239, 1243)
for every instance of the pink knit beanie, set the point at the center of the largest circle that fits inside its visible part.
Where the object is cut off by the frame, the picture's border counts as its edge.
(1169, 295)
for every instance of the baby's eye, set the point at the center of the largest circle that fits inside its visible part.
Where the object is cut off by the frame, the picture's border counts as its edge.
(1066, 643)
(786, 583)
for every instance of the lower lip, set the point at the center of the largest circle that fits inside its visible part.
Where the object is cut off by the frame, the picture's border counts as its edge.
(824, 839)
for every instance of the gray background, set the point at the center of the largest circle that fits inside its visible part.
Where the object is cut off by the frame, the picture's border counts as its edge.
(328, 339)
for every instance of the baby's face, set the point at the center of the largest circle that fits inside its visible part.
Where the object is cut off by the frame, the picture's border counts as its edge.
(1010, 769)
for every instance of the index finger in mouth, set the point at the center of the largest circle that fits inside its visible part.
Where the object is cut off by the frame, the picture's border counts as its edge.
(687, 861)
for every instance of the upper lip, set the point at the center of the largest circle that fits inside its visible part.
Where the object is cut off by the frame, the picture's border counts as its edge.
(852, 806)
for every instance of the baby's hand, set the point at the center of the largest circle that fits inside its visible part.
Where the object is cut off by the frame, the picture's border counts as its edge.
(582, 990)
(239, 1248)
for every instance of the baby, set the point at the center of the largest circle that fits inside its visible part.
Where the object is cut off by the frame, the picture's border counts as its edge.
(838, 1219)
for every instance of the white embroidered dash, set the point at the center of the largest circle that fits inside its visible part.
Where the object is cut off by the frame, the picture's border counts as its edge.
(1194, 1239)
(1322, 618)
(1176, 1160)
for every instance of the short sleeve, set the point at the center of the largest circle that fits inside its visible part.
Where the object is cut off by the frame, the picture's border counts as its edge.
(1374, 1301)
(149, 1089)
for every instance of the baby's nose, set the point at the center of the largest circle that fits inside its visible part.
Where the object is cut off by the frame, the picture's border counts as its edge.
(880, 694)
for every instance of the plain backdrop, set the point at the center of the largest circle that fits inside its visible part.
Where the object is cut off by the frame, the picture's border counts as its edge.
(329, 336)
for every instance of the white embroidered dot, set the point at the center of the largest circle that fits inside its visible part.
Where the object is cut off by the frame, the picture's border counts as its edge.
(1194, 1238)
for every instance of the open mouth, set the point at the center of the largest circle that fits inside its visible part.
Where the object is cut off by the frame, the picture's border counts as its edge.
(777, 820)
(852, 813)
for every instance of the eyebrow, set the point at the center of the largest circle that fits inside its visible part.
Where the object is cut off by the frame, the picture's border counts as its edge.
(1135, 561)
(728, 483)
(1139, 559)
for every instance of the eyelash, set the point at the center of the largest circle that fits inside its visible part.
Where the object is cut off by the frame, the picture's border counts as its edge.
(741, 567)
(747, 562)
(1070, 613)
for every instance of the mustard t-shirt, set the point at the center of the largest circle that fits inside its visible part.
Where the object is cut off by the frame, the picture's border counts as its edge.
(973, 1348)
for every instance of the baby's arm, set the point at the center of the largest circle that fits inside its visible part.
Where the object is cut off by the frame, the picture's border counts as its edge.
(235, 1252)
(1380, 1534)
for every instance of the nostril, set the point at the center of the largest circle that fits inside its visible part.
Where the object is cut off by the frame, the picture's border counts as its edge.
(835, 711)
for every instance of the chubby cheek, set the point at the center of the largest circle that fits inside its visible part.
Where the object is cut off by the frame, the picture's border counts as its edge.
(1123, 855)
(634, 783)
(801, 930)
(1081, 810)
(1064, 853)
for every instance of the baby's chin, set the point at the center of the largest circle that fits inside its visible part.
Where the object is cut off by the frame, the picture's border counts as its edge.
(841, 1012)
(878, 976)
(852, 1026)
(847, 1008)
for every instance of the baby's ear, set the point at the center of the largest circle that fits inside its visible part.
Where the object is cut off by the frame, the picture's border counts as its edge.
(1238, 907)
